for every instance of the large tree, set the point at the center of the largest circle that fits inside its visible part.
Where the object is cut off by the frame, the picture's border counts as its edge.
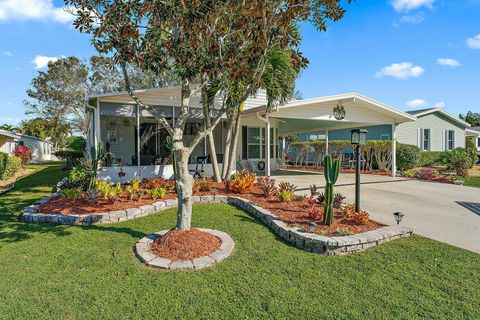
(224, 44)
(471, 117)
(52, 129)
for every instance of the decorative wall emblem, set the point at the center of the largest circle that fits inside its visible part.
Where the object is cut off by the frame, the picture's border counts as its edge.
(339, 112)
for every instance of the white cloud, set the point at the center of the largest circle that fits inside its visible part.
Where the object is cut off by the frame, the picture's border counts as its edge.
(474, 42)
(416, 103)
(403, 70)
(407, 5)
(8, 53)
(448, 62)
(440, 104)
(41, 62)
(43, 10)
(413, 19)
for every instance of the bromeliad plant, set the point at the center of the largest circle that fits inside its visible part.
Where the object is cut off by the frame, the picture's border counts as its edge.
(331, 172)
(240, 182)
(268, 186)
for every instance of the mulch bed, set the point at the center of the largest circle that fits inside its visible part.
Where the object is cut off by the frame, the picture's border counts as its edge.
(81, 206)
(293, 213)
(185, 245)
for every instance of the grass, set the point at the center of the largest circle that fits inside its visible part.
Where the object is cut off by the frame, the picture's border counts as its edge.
(90, 272)
(472, 181)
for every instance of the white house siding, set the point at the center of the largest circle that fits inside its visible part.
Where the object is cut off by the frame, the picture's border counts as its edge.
(7, 144)
(41, 150)
(437, 123)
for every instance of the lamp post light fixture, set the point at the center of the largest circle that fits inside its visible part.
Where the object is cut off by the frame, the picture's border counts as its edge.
(359, 138)
(312, 226)
(398, 217)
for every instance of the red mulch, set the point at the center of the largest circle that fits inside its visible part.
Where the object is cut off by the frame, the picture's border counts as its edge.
(185, 245)
(64, 206)
(294, 213)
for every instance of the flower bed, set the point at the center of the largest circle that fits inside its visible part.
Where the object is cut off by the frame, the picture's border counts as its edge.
(194, 249)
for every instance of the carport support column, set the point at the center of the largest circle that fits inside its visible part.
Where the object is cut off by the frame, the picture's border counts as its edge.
(326, 142)
(96, 119)
(394, 150)
(138, 136)
(267, 145)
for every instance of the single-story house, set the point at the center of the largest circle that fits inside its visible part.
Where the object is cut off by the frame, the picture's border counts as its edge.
(474, 134)
(434, 129)
(41, 149)
(137, 141)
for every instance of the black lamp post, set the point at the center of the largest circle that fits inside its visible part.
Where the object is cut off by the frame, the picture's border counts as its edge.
(359, 137)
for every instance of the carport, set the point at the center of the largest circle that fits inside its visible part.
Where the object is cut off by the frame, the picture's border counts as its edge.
(344, 111)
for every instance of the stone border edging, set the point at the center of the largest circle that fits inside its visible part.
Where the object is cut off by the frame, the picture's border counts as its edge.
(143, 252)
(296, 236)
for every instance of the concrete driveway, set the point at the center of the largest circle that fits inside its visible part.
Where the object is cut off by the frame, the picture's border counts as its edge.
(434, 210)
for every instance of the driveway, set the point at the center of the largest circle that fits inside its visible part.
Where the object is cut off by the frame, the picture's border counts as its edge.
(435, 210)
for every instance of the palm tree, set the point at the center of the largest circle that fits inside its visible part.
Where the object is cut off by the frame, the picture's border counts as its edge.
(8, 127)
(278, 79)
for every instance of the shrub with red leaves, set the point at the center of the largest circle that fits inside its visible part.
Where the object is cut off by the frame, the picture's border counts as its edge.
(24, 153)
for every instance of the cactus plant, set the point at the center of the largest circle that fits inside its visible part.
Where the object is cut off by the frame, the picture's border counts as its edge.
(96, 155)
(331, 171)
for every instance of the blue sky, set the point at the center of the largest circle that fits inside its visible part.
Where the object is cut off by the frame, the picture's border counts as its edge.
(406, 53)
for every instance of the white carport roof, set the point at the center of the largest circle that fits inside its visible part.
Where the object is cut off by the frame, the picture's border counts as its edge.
(316, 114)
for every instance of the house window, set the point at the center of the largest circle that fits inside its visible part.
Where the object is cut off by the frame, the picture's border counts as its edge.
(112, 136)
(253, 143)
(313, 137)
(450, 140)
(19, 143)
(384, 137)
(425, 139)
(272, 142)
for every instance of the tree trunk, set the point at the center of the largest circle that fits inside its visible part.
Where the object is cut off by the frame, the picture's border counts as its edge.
(233, 147)
(228, 144)
(213, 158)
(184, 189)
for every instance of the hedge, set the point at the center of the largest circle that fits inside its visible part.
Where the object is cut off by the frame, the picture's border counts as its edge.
(407, 156)
(430, 158)
(9, 165)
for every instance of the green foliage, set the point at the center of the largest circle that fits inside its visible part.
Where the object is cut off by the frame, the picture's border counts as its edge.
(407, 156)
(285, 195)
(430, 158)
(79, 174)
(459, 160)
(471, 117)
(71, 193)
(9, 165)
(157, 193)
(472, 151)
(76, 143)
(135, 184)
(343, 231)
(96, 155)
(46, 127)
(331, 172)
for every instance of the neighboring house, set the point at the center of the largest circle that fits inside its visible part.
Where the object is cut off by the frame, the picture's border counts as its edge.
(41, 149)
(137, 141)
(433, 130)
(474, 134)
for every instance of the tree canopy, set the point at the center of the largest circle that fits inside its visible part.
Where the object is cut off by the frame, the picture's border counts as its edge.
(471, 117)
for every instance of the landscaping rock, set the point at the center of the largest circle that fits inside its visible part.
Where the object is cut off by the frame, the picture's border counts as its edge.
(203, 262)
(117, 215)
(160, 263)
(181, 264)
(148, 209)
(171, 202)
(133, 212)
(159, 205)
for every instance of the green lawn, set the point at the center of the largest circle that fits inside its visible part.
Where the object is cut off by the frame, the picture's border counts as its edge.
(60, 272)
(472, 181)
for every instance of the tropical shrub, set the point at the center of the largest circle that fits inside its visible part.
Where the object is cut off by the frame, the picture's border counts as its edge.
(24, 153)
(285, 195)
(157, 193)
(130, 192)
(471, 151)
(135, 183)
(426, 174)
(202, 185)
(407, 156)
(458, 160)
(343, 231)
(349, 211)
(71, 193)
(321, 198)
(240, 182)
(361, 218)
(287, 186)
(338, 199)
(92, 195)
(268, 186)
(430, 158)
(412, 173)
(9, 165)
(313, 190)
